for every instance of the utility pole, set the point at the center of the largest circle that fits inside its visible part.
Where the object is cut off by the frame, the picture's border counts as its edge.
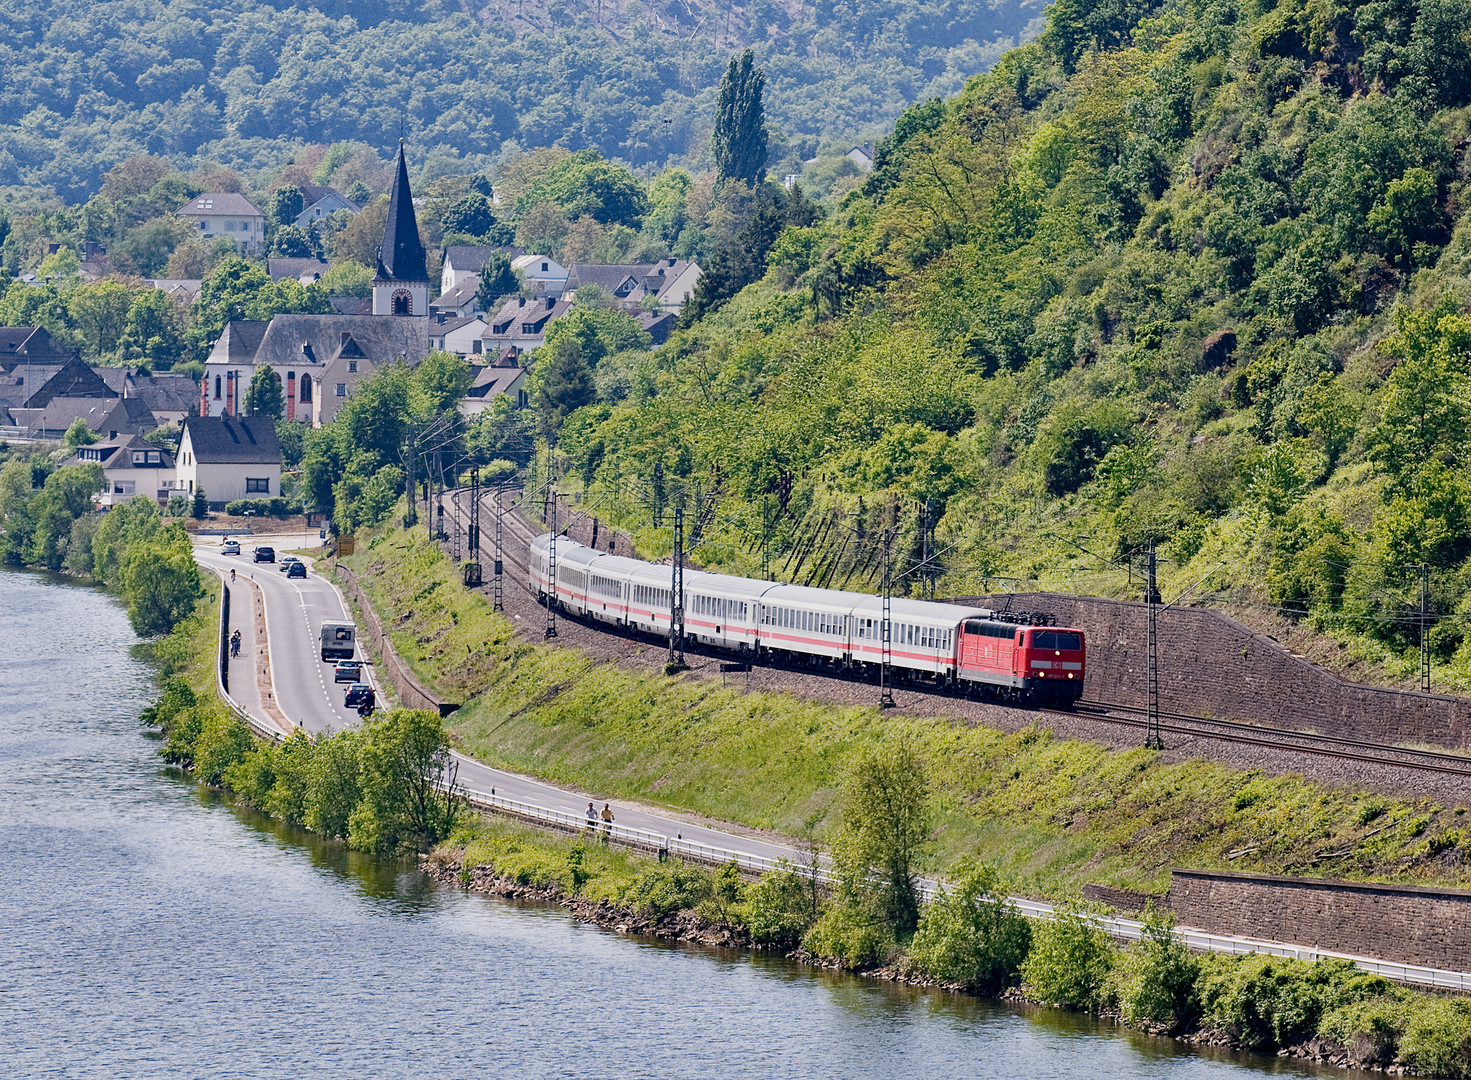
(927, 547)
(676, 598)
(551, 629)
(765, 539)
(472, 569)
(1152, 737)
(412, 516)
(1425, 627)
(886, 665)
(455, 544)
(497, 596)
(439, 494)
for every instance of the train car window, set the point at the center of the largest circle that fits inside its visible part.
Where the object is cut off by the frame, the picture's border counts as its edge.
(1068, 642)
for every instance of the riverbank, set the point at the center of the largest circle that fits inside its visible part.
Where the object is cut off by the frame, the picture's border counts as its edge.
(1323, 1012)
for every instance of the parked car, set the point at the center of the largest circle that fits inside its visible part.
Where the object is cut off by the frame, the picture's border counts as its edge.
(231, 547)
(265, 554)
(296, 569)
(358, 694)
(347, 671)
(286, 561)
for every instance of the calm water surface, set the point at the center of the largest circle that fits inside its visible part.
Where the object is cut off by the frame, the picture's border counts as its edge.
(148, 929)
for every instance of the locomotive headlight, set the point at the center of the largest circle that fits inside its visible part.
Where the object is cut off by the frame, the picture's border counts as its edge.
(1069, 674)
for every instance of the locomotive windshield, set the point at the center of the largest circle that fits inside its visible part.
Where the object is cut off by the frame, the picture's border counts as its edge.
(1060, 640)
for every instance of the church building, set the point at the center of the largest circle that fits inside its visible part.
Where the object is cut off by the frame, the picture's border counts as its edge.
(401, 285)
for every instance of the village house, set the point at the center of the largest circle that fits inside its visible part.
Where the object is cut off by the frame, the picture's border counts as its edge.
(503, 376)
(670, 281)
(229, 457)
(521, 324)
(457, 334)
(132, 467)
(460, 262)
(543, 275)
(308, 271)
(224, 213)
(320, 202)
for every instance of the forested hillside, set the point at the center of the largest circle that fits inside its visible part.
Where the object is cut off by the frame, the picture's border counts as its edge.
(241, 82)
(1191, 274)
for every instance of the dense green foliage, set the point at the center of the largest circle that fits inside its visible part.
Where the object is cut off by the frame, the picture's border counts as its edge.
(240, 82)
(739, 138)
(48, 519)
(1190, 273)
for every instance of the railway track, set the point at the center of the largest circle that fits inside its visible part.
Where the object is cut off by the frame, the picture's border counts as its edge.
(520, 535)
(1236, 731)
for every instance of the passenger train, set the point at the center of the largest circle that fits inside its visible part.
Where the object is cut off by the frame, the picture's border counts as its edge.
(964, 649)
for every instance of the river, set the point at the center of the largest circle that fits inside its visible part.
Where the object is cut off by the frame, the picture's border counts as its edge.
(149, 928)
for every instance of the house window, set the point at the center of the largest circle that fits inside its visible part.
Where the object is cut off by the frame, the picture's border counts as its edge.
(543, 267)
(261, 486)
(217, 388)
(342, 389)
(352, 365)
(123, 487)
(229, 226)
(475, 346)
(306, 388)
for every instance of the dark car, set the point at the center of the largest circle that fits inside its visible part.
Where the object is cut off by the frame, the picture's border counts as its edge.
(296, 569)
(265, 554)
(358, 695)
(347, 671)
(286, 561)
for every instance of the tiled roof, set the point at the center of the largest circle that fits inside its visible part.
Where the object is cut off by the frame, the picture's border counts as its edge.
(474, 257)
(233, 440)
(294, 268)
(220, 204)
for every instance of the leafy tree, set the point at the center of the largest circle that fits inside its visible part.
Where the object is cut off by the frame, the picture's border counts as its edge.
(1070, 960)
(264, 396)
(583, 183)
(440, 381)
(99, 312)
(597, 332)
(292, 242)
(121, 528)
(154, 331)
(739, 141)
(498, 279)
(405, 756)
(1426, 407)
(65, 497)
(161, 581)
(566, 384)
(885, 833)
(971, 934)
(1155, 978)
(287, 203)
(472, 215)
(78, 434)
(347, 278)
(200, 508)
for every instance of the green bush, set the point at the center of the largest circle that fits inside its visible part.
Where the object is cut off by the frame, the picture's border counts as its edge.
(1369, 1028)
(1437, 1039)
(1070, 960)
(1153, 981)
(277, 506)
(851, 934)
(1265, 1001)
(970, 934)
(223, 741)
(779, 907)
(669, 887)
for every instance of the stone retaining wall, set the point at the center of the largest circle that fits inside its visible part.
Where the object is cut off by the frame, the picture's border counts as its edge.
(1211, 665)
(1429, 927)
(411, 692)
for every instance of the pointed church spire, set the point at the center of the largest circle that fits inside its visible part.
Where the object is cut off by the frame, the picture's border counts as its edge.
(401, 255)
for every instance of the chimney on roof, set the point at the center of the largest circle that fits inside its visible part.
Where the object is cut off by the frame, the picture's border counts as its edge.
(521, 302)
(306, 350)
(343, 339)
(551, 303)
(671, 262)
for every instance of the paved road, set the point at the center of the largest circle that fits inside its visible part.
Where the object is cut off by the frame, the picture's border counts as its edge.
(295, 610)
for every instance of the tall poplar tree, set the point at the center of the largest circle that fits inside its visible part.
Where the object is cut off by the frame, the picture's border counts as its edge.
(740, 122)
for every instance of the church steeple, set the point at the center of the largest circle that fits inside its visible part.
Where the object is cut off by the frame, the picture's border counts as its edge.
(401, 284)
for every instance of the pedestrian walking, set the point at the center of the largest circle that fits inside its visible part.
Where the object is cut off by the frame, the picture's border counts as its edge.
(607, 818)
(592, 816)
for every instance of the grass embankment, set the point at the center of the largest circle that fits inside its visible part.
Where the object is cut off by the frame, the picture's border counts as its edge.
(1050, 813)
